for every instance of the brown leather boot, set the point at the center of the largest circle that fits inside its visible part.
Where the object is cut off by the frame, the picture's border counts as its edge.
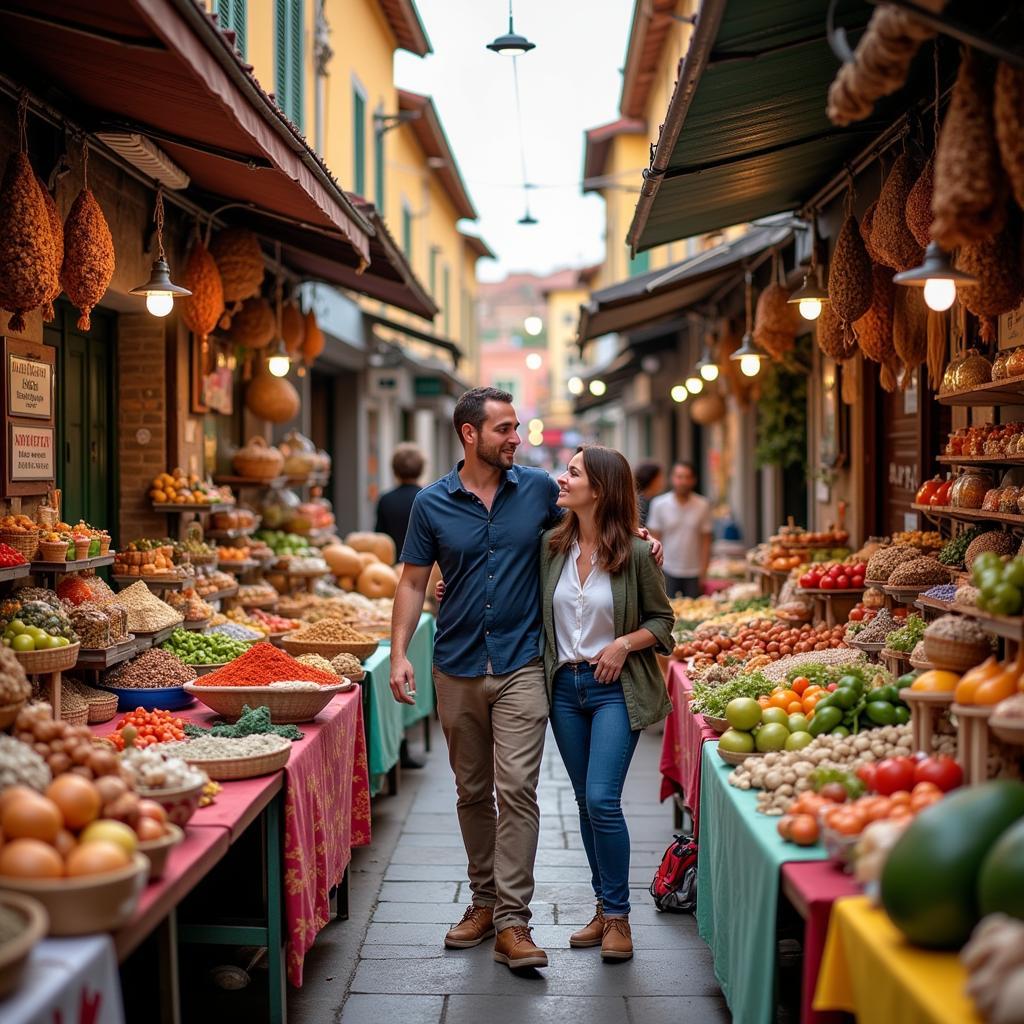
(617, 942)
(476, 925)
(515, 948)
(593, 933)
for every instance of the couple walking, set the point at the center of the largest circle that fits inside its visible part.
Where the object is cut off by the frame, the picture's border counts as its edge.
(553, 606)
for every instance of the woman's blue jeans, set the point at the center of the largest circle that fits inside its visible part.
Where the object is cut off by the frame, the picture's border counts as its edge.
(591, 727)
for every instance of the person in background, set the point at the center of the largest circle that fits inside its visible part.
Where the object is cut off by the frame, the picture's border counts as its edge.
(395, 506)
(650, 481)
(681, 520)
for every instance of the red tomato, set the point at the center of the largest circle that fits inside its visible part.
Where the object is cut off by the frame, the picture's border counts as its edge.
(834, 791)
(894, 774)
(941, 770)
(856, 614)
(827, 583)
(836, 571)
(809, 581)
(832, 686)
(866, 774)
(857, 581)
(842, 582)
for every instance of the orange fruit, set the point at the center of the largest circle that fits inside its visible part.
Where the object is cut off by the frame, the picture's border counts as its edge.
(794, 708)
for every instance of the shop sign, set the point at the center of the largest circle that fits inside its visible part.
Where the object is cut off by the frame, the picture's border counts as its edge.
(31, 453)
(27, 408)
(1011, 328)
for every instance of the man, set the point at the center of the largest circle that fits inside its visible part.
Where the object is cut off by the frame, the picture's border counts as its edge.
(395, 506)
(482, 524)
(681, 520)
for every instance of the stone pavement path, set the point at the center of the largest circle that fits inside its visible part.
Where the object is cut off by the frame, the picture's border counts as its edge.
(387, 962)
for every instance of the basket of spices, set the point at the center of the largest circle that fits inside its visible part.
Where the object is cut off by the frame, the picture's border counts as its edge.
(909, 578)
(349, 667)
(329, 638)
(224, 758)
(101, 705)
(956, 643)
(155, 679)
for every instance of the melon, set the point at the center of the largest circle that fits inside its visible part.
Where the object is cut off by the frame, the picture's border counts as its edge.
(379, 544)
(377, 580)
(1001, 880)
(342, 560)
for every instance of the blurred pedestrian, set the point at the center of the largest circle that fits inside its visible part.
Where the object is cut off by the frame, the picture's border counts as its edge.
(395, 506)
(681, 520)
(650, 481)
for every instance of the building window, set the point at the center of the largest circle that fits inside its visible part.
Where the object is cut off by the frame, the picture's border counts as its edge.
(446, 305)
(378, 169)
(358, 141)
(509, 386)
(432, 272)
(640, 263)
(288, 64)
(406, 230)
(231, 14)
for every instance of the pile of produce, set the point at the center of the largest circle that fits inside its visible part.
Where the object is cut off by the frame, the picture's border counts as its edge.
(203, 648)
(216, 748)
(181, 488)
(834, 576)
(141, 728)
(256, 592)
(282, 543)
(236, 631)
(884, 561)
(77, 588)
(190, 604)
(251, 722)
(151, 670)
(316, 661)
(14, 685)
(1001, 583)
(346, 665)
(954, 551)
(926, 540)
(146, 612)
(63, 747)
(35, 626)
(21, 765)
(154, 769)
(9, 558)
(906, 637)
(757, 638)
(753, 728)
(875, 629)
(330, 631)
(215, 582)
(918, 572)
(270, 623)
(263, 664)
(146, 557)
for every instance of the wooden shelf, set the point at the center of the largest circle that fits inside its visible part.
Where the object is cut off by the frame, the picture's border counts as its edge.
(196, 625)
(1009, 627)
(970, 515)
(155, 582)
(15, 572)
(78, 565)
(143, 641)
(1009, 391)
(981, 460)
(228, 480)
(233, 534)
(239, 565)
(198, 509)
(97, 660)
(220, 595)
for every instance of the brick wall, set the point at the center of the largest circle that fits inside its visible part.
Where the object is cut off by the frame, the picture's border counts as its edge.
(142, 407)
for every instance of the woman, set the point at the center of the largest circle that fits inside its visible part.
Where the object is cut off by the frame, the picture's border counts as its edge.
(605, 612)
(650, 482)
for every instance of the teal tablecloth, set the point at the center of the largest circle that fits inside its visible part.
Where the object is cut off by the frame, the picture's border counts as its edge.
(386, 719)
(738, 872)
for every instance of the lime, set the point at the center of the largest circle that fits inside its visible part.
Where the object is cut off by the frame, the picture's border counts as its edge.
(23, 643)
(797, 723)
(16, 626)
(798, 740)
(774, 716)
(771, 736)
(736, 741)
(743, 713)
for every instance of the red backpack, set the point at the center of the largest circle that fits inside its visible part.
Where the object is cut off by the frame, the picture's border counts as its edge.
(674, 887)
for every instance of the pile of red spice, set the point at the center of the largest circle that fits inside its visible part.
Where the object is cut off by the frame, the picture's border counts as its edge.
(262, 665)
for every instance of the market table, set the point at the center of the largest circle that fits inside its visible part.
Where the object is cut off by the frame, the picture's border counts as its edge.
(738, 871)
(870, 970)
(812, 887)
(386, 719)
(685, 735)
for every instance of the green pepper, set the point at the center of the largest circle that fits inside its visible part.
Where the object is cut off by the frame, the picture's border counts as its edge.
(825, 720)
(906, 680)
(844, 697)
(890, 694)
(902, 714)
(881, 712)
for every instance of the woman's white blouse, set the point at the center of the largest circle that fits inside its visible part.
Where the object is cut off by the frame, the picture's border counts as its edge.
(584, 618)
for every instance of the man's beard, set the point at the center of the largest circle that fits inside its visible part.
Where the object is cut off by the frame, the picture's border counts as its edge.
(491, 454)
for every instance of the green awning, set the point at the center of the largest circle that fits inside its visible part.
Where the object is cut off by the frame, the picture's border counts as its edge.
(746, 134)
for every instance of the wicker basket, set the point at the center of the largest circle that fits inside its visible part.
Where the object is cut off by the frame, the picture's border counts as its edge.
(329, 650)
(24, 543)
(14, 953)
(734, 758)
(9, 713)
(233, 768)
(53, 551)
(286, 706)
(258, 460)
(955, 655)
(102, 709)
(718, 724)
(57, 659)
(79, 717)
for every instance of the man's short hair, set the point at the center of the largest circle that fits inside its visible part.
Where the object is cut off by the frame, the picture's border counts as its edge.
(407, 463)
(470, 408)
(685, 464)
(645, 474)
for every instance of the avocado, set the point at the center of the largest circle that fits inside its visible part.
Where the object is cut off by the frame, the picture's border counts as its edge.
(1001, 880)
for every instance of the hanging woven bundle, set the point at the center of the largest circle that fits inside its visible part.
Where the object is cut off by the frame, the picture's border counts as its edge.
(202, 309)
(253, 324)
(891, 239)
(866, 224)
(27, 260)
(313, 340)
(239, 259)
(835, 338)
(910, 329)
(919, 205)
(293, 327)
(57, 234)
(849, 274)
(776, 321)
(874, 328)
(969, 201)
(996, 263)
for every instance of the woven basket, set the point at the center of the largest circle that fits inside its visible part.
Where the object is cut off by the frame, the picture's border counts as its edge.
(286, 706)
(718, 724)
(58, 659)
(955, 655)
(329, 650)
(102, 709)
(80, 717)
(53, 551)
(230, 768)
(24, 543)
(47, 517)
(9, 713)
(731, 757)
(258, 460)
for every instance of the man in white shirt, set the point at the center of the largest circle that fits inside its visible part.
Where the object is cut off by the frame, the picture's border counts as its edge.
(681, 520)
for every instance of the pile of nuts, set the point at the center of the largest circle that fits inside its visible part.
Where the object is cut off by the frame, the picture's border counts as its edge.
(346, 665)
(146, 612)
(330, 631)
(152, 769)
(885, 560)
(151, 670)
(877, 629)
(14, 685)
(64, 747)
(918, 572)
(955, 627)
(317, 661)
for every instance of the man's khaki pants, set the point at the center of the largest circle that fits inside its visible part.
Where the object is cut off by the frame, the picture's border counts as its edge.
(495, 729)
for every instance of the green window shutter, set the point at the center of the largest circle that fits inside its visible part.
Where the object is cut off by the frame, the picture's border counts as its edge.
(289, 72)
(446, 305)
(298, 70)
(640, 264)
(232, 14)
(433, 273)
(407, 232)
(378, 170)
(358, 142)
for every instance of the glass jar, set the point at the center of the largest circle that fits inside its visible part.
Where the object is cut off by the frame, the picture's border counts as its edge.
(972, 370)
(1015, 363)
(999, 366)
(970, 489)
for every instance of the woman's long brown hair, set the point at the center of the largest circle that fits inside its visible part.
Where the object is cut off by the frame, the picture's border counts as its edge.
(615, 514)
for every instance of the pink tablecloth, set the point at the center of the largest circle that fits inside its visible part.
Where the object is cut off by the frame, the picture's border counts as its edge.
(684, 737)
(819, 884)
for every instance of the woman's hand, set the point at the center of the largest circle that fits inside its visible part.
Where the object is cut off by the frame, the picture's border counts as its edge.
(656, 552)
(610, 661)
(439, 591)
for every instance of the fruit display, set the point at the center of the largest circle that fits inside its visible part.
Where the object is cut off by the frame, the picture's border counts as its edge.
(203, 648)
(181, 488)
(283, 543)
(926, 540)
(834, 576)
(142, 728)
(35, 626)
(759, 637)
(757, 729)
(252, 593)
(9, 558)
(1001, 583)
(215, 582)
(990, 440)
(271, 623)
(64, 748)
(240, 518)
(190, 604)
(21, 525)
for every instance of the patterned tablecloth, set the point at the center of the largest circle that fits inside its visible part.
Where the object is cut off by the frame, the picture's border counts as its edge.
(684, 736)
(326, 815)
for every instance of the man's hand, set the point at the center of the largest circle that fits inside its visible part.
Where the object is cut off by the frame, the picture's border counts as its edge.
(438, 591)
(656, 550)
(403, 681)
(610, 662)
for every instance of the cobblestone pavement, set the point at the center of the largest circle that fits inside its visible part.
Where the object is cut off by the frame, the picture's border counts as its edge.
(387, 962)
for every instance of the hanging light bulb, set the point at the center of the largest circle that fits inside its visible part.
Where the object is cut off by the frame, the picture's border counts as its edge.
(160, 291)
(706, 366)
(937, 276)
(278, 363)
(810, 296)
(511, 44)
(694, 384)
(679, 393)
(575, 385)
(747, 355)
(598, 387)
(750, 365)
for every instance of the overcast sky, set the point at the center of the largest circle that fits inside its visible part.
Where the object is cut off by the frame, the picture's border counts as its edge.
(570, 82)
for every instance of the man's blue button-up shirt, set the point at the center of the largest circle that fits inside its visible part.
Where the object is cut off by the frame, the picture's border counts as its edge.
(491, 566)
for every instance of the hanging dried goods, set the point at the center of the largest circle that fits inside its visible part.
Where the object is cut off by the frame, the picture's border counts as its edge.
(293, 327)
(271, 398)
(910, 329)
(57, 234)
(202, 309)
(88, 255)
(874, 328)
(969, 201)
(849, 274)
(866, 224)
(832, 336)
(776, 321)
(313, 339)
(240, 262)
(1008, 113)
(27, 260)
(891, 239)
(996, 263)
(919, 205)
(253, 324)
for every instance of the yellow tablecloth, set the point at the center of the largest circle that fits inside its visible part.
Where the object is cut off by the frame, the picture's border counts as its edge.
(870, 970)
